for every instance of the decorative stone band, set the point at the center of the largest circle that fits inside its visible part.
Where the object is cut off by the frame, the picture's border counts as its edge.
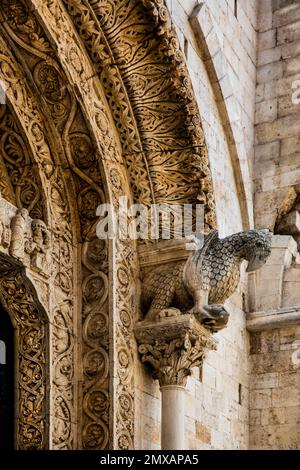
(173, 346)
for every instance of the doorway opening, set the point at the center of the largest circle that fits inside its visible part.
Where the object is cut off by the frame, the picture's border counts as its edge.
(6, 382)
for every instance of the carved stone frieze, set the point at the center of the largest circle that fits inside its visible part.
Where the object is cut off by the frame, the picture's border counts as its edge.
(69, 125)
(96, 398)
(145, 75)
(90, 195)
(173, 346)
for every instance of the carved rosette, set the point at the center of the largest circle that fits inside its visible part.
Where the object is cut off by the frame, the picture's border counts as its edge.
(173, 346)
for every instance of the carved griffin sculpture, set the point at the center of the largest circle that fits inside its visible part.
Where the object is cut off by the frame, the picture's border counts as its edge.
(211, 275)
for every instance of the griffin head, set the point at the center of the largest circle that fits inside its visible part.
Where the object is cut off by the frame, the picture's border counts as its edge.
(256, 248)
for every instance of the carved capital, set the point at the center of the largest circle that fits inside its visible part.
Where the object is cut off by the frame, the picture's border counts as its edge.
(173, 346)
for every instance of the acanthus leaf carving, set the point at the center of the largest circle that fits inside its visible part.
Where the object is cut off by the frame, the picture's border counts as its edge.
(173, 346)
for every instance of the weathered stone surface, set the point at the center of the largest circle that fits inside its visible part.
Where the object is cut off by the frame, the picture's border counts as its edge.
(290, 223)
(266, 40)
(266, 111)
(277, 377)
(289, 33)
(203, 433)
(285, 397)
(287, 15)
(273, 416)
(260, 399)
(262, 381)
(271, 71)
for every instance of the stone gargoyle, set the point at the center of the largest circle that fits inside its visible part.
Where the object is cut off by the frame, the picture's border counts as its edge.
(210, 275)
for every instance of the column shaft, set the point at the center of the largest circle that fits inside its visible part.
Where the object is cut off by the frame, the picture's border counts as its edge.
(172, 413)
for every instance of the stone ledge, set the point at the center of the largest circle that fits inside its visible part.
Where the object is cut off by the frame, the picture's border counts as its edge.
(170, 328)
(164, 251)
(261, 321)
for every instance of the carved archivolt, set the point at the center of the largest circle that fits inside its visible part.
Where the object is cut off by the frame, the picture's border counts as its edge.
(17, 163)
(104, 100)
(137, 56)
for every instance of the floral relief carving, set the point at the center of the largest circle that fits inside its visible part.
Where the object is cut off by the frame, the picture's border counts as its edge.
(88, 200)
(96, 400)
(32, 359)
(16, 160)
(66, 115)
(162, 112)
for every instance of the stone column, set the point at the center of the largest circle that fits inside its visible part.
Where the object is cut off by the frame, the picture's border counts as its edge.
(172, 417)
(173, 346)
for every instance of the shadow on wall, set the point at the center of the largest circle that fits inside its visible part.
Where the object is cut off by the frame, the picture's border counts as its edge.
(288, 219)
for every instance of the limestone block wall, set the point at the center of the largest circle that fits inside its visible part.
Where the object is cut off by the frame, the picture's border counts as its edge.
(217, 404)
(229, 97)
(217, 407)
(275, 389)
(277, 151)
(217, 401)
(275, 292)
(275, 349)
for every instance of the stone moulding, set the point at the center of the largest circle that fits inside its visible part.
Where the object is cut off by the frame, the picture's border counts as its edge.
(162, 252)
(173, 346)
(149, 81)
(260, 321)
